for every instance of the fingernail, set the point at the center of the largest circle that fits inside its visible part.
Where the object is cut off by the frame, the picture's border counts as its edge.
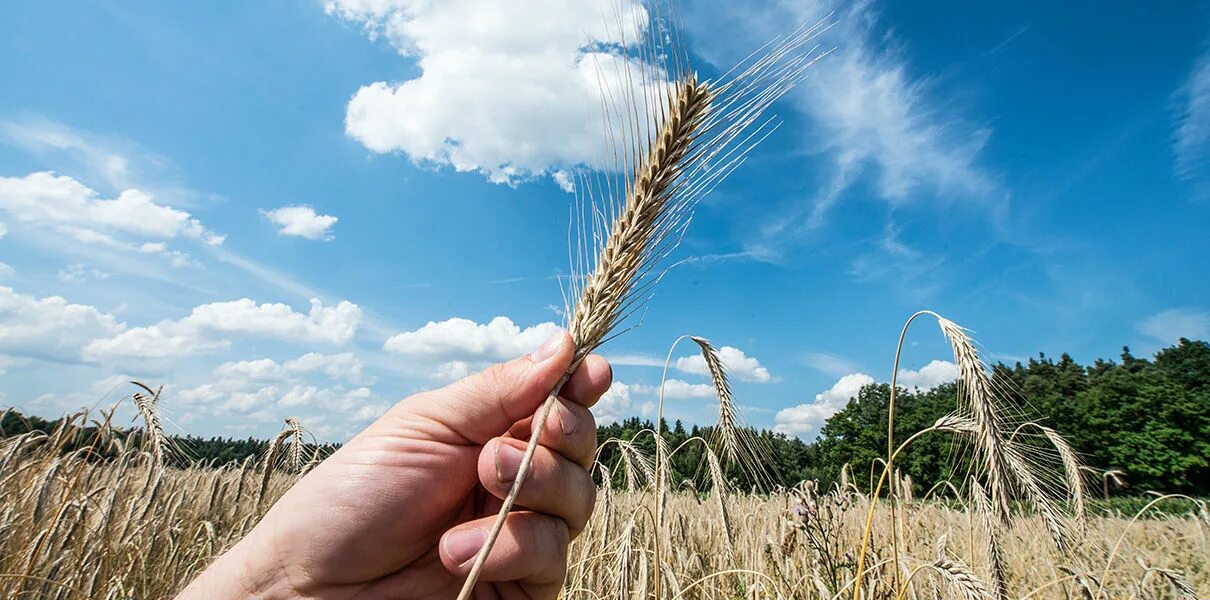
(508, 462)
(461, 546)
(567, 420)
(549, 348)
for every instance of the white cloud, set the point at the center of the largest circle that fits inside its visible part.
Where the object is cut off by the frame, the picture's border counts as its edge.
(3, 230)
(1191, 141)
(227, 397)
(565, 181)
(301, 395)
(1171, 325)
(262, 369)
(808, 418)
(451, 371)
(843, 390)
(302, 221)
(508, 89)
(368, 412)
(737, 364)
(109, 388)
(49, 328)
(47, 199)
(457, 346)
(635, 360)
(200, 331)
(343, 366)
(615, 404)
(868, 113)
(6, 270)
(98, 157)
(829, 364)
(262, 402)
(929, 376)
(79, 273)
(677, 389)
(875, 115)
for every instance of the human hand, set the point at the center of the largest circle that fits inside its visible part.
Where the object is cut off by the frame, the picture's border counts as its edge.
(403, 508)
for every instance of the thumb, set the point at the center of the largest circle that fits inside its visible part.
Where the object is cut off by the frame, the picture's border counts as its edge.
(485, 405)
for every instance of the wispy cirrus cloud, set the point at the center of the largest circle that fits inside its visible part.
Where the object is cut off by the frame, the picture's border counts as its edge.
(1191, 140)
(1168, 326)
(872, 119)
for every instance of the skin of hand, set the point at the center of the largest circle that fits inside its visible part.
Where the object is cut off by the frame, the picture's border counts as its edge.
(402, 509)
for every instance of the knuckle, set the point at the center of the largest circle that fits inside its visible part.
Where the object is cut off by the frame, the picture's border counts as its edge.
(494, 376)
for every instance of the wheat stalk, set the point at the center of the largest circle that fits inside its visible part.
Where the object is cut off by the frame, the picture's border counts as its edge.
(146, 405)
(997, 572)
(677, 146)
(295, 429)
(1004, 463)
(272, 455)
(1175, 579)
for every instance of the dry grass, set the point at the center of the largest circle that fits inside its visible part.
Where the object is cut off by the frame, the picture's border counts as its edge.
(76, 526)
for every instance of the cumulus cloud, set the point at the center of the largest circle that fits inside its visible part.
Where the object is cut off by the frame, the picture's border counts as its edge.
(202, 330)
(808, 418)
(1173, 324)
(635, 360)
(261, 369)
(60, 203)
(564, 181)
(50, 328)
(344, 366)
(738, 365)
(458, 346)
(302, 221)
(240, 392)
(513, 92)
(616, 404)
(677, 388)
(231, 397)
(929, 376)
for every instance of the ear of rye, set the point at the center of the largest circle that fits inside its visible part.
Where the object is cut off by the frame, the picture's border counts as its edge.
(679, 137)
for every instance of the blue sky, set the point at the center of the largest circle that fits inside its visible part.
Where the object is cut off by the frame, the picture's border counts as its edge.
(314, 209)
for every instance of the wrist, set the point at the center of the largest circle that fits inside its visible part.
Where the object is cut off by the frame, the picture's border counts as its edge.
(246, 570)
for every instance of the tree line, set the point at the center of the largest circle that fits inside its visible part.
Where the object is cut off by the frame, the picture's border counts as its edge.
(1148, 418)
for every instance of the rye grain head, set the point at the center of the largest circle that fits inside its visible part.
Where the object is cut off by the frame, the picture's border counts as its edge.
(734, 441)
(296, 441)
(961, 578)
(674, 137)
(273, 455)
(1012, 467)
(146, 403)
(1178, 583)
